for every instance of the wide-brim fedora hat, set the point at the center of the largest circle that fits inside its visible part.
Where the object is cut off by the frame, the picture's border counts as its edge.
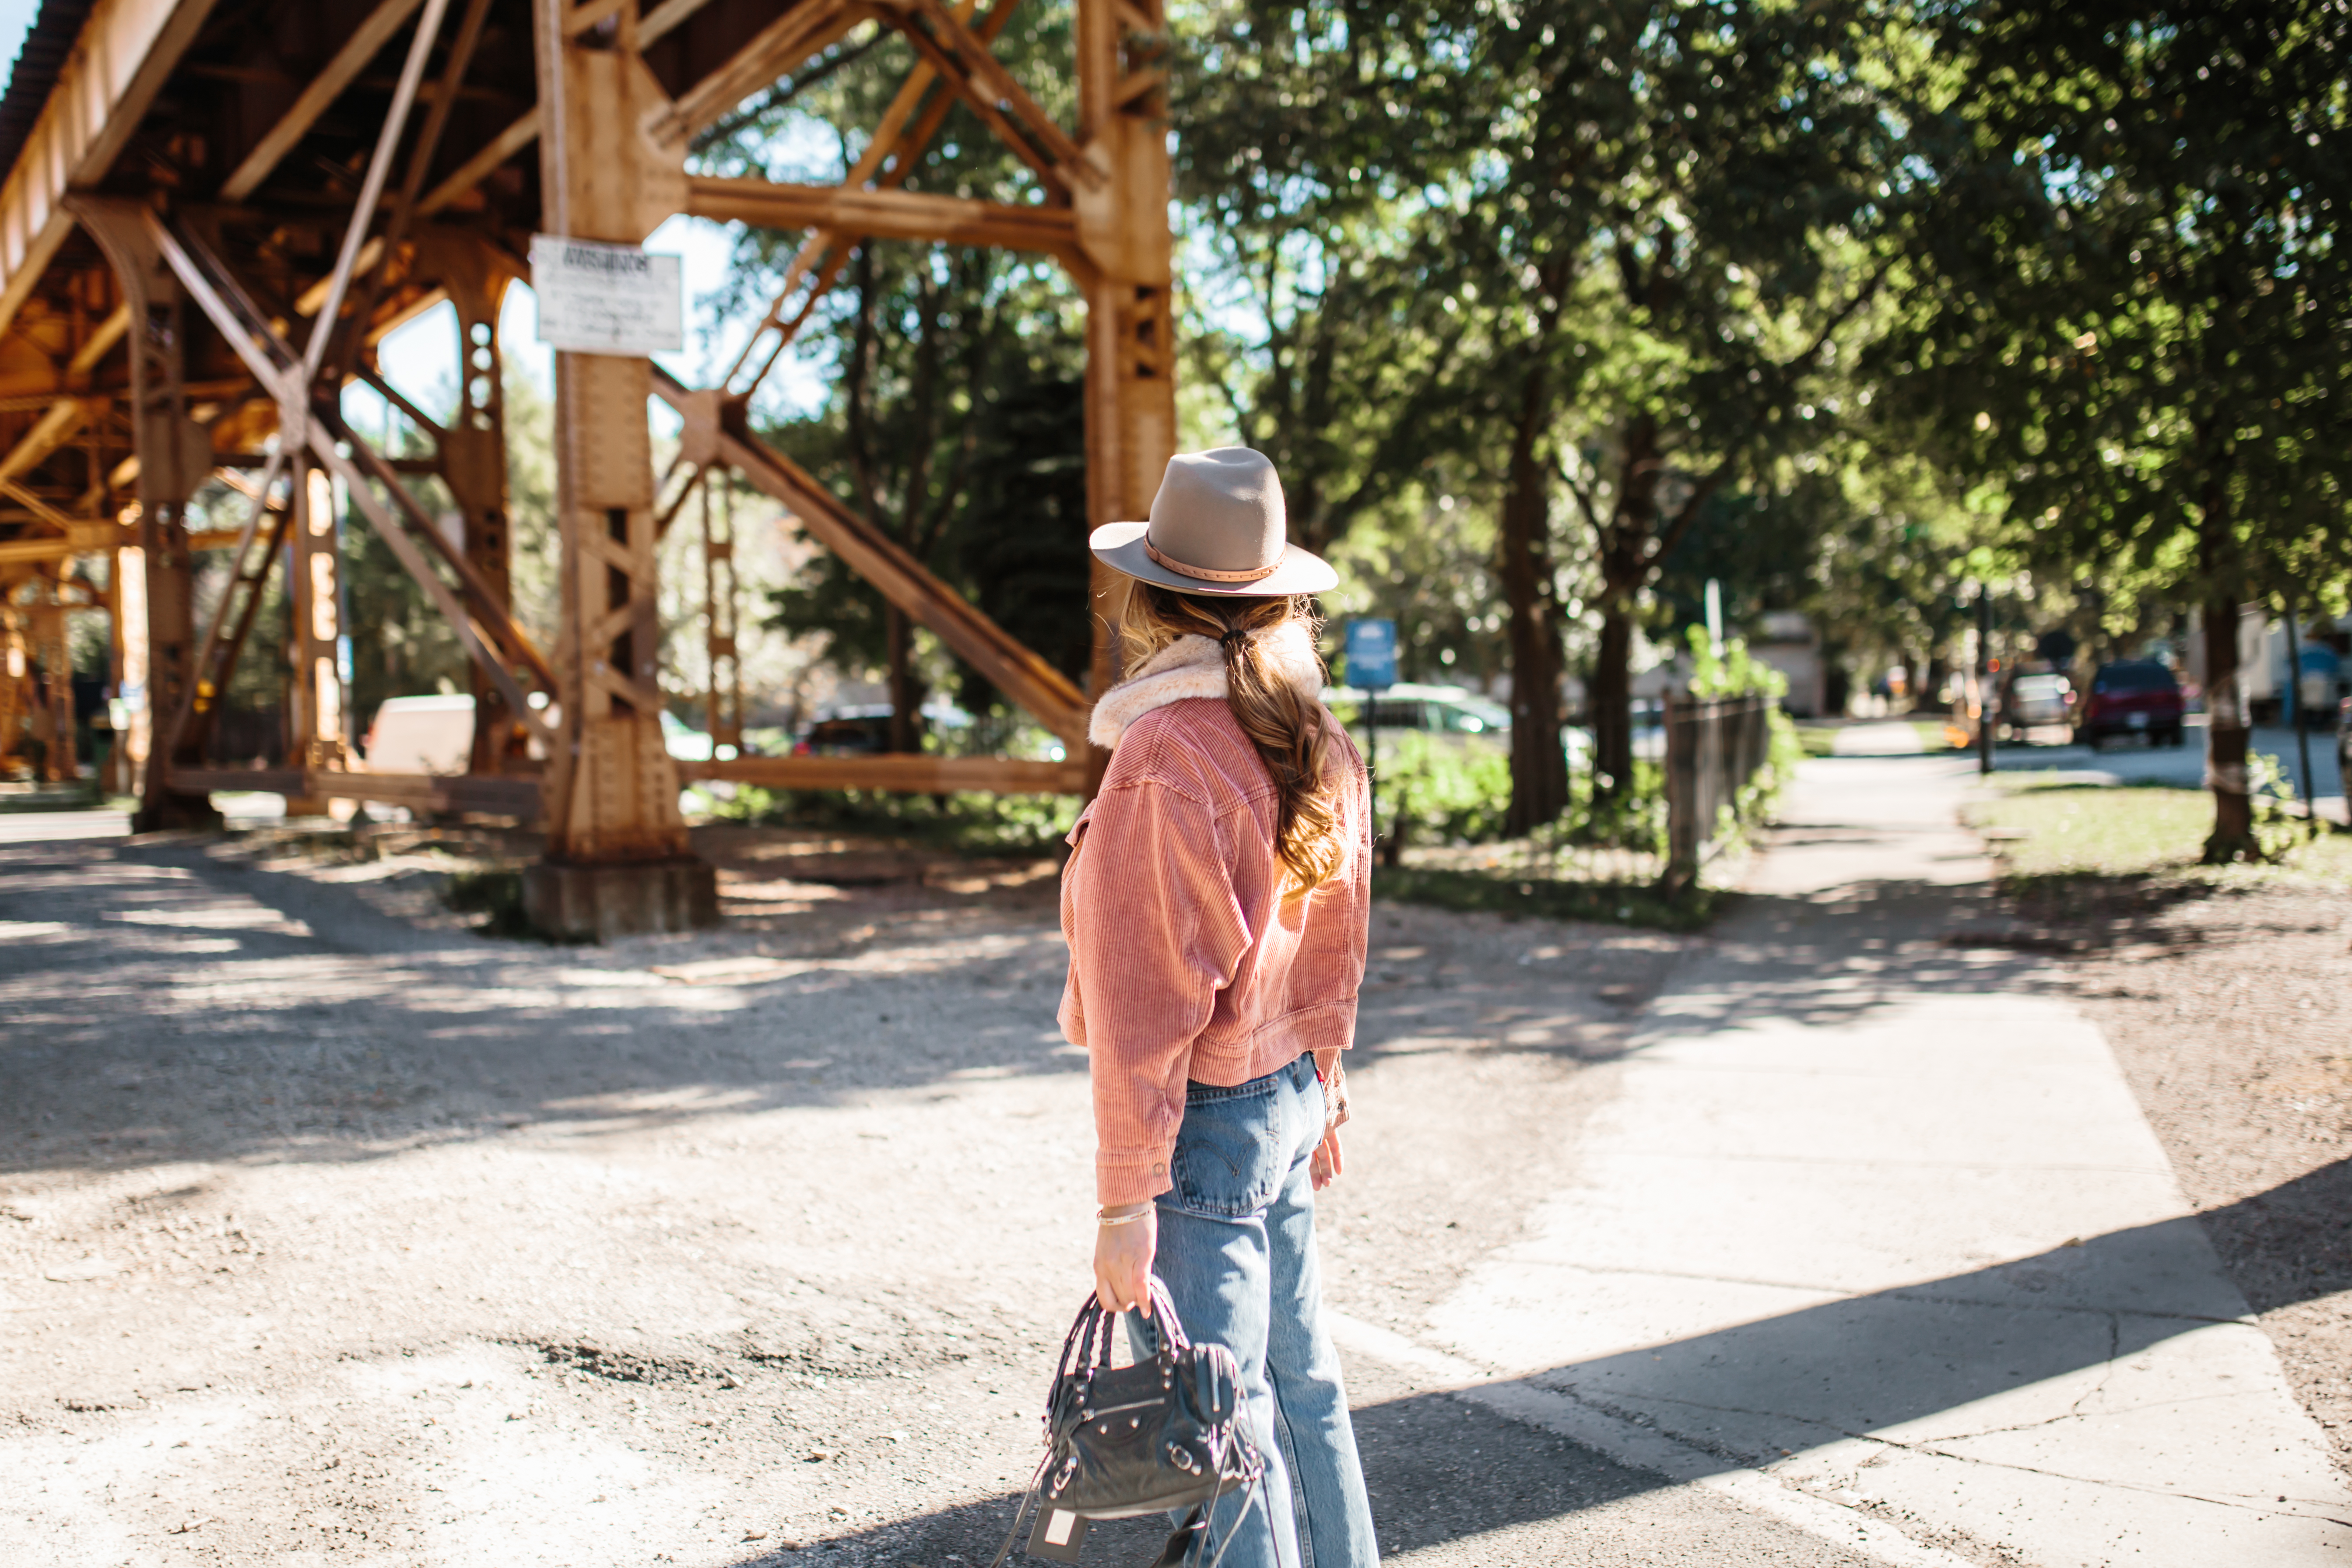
(1218, 527)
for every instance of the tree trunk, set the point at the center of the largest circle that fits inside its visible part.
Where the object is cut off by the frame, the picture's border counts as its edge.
(2225, 734)
(905, 695)
(1538, 765)
(1611, 698)
(1625, 562)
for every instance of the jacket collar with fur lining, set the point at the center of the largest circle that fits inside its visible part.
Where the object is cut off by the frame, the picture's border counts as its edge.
(1195, 667)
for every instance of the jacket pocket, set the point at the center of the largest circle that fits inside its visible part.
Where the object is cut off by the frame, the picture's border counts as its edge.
(1231, 1154)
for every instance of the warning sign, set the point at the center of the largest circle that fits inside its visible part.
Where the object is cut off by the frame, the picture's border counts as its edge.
(600, 299)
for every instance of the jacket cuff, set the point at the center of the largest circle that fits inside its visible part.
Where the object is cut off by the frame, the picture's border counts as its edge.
(1130, 1175)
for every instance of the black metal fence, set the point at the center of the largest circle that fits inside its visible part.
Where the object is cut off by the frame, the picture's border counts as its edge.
(1714, 748)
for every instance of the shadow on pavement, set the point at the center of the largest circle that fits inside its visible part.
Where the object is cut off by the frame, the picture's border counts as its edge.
(168, 1001)
(2293, 1242)
(159, 1003)
(1442, 1469)
(1439, 1469)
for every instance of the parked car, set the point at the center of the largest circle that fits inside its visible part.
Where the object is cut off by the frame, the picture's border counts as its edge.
(420, 735)
(864, 730)
(1436, 710)
(684, 741)
(2132, 697)
(436, 735)
(850, 733)
(2035, 701)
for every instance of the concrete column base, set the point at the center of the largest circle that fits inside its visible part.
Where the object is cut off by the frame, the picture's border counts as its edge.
(602, 901)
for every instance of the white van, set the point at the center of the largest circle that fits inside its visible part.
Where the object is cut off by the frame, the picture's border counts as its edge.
(421, 736)
(436, 735)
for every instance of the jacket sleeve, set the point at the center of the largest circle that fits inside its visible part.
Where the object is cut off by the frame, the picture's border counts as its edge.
(1155, 931)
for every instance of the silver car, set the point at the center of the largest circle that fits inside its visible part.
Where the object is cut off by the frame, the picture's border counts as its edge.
(2037, 701)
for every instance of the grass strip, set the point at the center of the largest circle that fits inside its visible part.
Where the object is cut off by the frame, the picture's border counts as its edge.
(1544, 898)
(2070, 846)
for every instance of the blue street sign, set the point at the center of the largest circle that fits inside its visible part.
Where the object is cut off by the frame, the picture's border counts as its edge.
(1372, 655)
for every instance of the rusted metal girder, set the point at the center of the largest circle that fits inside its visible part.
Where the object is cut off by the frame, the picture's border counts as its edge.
(722, 603)
(714, 433)
(174, 455)
(248, 223)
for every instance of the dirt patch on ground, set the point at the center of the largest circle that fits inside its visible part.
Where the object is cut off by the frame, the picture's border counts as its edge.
(2232, 1014)
(332, 1229)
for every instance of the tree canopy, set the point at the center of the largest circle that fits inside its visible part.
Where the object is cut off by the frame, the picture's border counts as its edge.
(1549, 313)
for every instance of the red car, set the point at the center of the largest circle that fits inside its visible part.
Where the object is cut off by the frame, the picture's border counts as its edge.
(2136, 697)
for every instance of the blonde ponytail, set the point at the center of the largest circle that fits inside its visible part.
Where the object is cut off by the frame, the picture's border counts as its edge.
(1284, 725)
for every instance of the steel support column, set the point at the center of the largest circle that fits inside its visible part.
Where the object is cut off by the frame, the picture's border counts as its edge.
(1130, 396)
(174, 455)
(58, 764)
(16, 679)
(474, 465)
(319, 733)
(618, 860)
(723, 594)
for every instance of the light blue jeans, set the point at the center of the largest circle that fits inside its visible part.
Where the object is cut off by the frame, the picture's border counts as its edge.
(1237, 1254)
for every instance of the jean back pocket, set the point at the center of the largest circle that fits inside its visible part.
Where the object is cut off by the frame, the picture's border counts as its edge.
(1232, 1152)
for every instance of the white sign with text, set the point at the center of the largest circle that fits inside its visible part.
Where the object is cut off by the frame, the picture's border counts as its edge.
(599, 299)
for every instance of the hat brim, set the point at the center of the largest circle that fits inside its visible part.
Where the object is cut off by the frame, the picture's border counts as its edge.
(1119, 546)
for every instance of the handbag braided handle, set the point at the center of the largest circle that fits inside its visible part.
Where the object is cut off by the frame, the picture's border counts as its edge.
(1087, 1348)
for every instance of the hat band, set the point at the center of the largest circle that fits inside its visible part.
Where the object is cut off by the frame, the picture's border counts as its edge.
(1203, 573)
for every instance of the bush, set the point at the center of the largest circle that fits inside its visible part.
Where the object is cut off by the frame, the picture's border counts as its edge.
(1443, 792)
(1449, 794)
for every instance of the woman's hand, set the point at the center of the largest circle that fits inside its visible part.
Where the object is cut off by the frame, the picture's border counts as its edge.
(1123, 1255)
(1323, 1166)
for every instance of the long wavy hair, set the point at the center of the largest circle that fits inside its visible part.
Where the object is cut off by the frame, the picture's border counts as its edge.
(1286, 726)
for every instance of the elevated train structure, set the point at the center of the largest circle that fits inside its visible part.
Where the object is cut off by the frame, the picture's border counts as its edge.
(214, 211)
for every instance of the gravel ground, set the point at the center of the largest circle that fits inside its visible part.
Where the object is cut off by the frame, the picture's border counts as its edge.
(2232, 1014)
(331, 1231)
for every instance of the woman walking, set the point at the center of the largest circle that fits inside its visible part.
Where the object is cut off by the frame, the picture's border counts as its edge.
(1216, 905)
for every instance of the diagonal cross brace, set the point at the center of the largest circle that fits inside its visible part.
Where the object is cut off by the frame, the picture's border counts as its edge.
(269, 357)
(1013, 668)
(969, 65)
(224, 638)
(899, 141)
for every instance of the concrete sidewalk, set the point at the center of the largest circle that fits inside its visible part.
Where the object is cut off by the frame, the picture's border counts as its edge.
(1875, 1239)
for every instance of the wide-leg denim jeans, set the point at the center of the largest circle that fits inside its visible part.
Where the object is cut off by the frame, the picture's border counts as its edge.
(1237, 1254)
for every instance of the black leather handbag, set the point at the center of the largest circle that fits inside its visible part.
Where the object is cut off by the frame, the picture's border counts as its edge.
(1120, 1442)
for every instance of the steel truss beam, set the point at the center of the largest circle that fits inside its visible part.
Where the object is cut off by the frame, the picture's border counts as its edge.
(321, 428)
(1034, 684)
(612, 124)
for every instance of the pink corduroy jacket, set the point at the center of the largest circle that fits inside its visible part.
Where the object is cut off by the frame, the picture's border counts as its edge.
(1186, 962)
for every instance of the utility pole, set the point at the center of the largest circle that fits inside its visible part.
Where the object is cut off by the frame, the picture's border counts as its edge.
(1985, 703)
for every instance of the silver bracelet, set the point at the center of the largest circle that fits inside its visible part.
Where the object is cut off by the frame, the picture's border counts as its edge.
(1107, 1219)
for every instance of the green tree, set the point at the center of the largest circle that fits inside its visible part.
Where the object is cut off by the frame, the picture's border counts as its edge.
(2129, 306)
(1316, 149)
(1679, 225)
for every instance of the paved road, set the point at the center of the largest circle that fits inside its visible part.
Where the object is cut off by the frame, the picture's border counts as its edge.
(2131, 762)
(2182, 765)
